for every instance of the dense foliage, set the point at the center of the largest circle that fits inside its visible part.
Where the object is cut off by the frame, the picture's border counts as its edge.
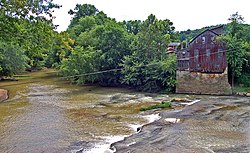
(27, 36)
(131, 53)
(238, 46)
(12, 59)
(149, 67)
(102, 42)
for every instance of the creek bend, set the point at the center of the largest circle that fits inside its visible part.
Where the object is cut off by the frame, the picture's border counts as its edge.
(46, 114)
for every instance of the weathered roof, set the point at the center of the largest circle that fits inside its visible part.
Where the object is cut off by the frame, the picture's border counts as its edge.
(217, 31)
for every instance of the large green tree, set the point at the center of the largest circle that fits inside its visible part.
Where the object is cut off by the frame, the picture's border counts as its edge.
(31, 9)
(81, 62)
(81, 11)
(237, 43)
(149, 68)
(62, 48)
(137, 48)
(26, 26)
(15, 12)
(132, 26)
(103, 35)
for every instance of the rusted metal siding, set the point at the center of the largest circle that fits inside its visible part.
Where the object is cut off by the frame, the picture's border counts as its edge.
(183, 59)
(207, 54)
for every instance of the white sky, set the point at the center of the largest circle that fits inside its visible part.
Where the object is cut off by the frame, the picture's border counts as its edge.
(185, 14)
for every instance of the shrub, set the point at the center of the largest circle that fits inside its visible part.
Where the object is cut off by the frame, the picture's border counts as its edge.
(162, 105)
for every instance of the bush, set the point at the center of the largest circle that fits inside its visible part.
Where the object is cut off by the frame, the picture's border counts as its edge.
(81, 61)
(151, 77)
(244, 79)
(162, 105)
(12, 59)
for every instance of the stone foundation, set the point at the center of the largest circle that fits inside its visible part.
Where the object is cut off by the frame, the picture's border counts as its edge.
(203, 83)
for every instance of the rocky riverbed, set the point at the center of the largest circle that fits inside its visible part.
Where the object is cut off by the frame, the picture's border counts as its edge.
(46, 114)
(3, 95)
(214, 124)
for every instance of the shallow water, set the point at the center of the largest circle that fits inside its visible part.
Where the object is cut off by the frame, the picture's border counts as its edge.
(46, 114)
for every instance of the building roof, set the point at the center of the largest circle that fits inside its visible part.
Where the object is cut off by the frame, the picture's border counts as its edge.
(217, 31)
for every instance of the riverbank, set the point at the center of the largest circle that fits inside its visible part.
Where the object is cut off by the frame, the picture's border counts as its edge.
(215, 124)
(3, 95)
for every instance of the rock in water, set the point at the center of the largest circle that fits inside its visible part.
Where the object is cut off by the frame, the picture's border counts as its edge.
(248, 94)
(3, 95)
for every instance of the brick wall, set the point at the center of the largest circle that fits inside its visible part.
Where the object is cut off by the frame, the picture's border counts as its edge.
(203, 83)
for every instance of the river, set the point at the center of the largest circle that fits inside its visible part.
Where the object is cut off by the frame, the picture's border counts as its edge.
(45, 114)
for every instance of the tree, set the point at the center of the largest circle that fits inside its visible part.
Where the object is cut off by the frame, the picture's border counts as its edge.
(82, 11)
(12, 12)
(132, 26)
(61, 49)
(12, 59)
(80, 62)
(112, 41)
(236, 46)
(84, 24)
(31, 10)
(25, 27)
(106, 37)
(103, 45)
(152, 77)
(235, 25)
(149, 68)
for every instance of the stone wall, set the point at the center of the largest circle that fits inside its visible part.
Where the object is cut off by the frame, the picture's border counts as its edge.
(203, 83)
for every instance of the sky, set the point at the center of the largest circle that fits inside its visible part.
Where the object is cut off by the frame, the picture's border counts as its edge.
(185, 14)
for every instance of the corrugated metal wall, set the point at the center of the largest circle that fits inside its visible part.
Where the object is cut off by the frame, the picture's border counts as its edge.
(207, 54)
